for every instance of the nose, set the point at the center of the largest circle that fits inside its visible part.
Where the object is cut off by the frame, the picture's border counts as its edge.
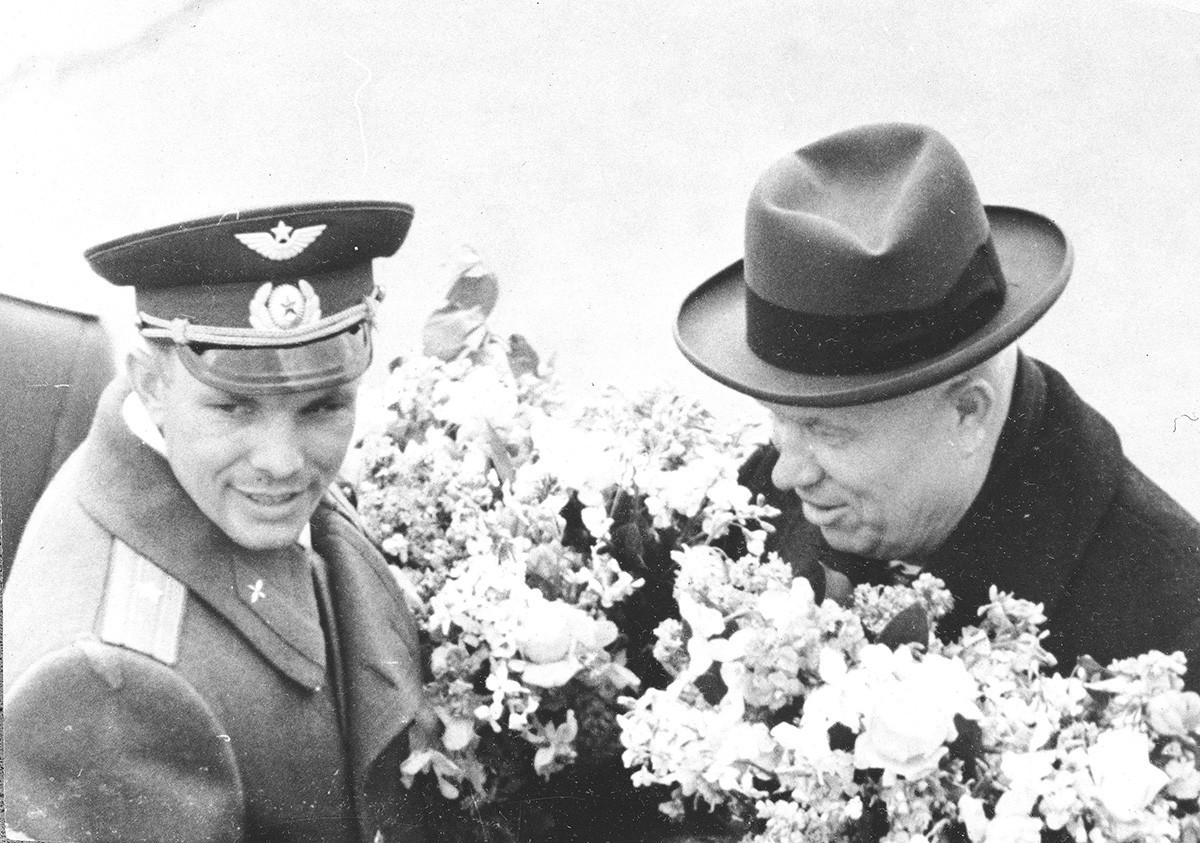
(797, 466)
(276, 452)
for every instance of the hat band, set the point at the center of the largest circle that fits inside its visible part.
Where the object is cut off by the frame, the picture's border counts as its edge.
(183, 332)
(869, 344)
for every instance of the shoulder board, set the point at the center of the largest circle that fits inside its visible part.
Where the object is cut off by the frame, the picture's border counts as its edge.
(143, 605)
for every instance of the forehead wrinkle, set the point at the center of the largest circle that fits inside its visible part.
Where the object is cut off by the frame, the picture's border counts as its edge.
(812, 416)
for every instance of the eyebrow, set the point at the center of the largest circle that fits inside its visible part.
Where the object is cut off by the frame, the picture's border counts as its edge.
(216, 395)
(337, 393)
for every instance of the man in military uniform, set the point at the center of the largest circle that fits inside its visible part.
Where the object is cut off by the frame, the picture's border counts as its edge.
(199, 642)
(875, 315)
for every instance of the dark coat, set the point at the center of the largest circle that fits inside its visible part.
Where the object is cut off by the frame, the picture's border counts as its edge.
(54, 364)
(1063, 519)
(149, 695)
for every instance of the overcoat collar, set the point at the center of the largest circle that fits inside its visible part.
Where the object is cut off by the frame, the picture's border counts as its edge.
(266, 595)
(1054, 475)
(130, 490)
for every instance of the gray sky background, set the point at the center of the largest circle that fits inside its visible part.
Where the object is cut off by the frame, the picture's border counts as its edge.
(599, 155)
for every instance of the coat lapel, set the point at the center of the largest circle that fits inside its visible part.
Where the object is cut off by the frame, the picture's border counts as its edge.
(378, 639)
(267, 596)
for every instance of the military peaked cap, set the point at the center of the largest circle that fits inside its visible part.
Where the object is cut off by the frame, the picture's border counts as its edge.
(270, 300)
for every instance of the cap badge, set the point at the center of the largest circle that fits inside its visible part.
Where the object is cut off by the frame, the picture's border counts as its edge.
(283, 307)
(281, 242)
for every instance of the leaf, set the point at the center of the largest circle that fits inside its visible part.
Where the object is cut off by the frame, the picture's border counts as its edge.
(910, 626)
(826, 582)
(475, 288)
(710, 684)
(448, 332)
(499, 456)
(625, 545)
(968, 746)
(460, 323)
(522, 358)
(873, 824)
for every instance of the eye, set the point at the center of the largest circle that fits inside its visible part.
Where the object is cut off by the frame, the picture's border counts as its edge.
(232, 408)
(330, 406)
(831, 436)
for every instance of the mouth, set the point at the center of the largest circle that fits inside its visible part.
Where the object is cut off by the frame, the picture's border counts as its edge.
(272, 500)
(821, 516)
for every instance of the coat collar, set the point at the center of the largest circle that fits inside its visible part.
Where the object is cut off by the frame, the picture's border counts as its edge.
(1054, 475)
(266, 595)
(130, 490)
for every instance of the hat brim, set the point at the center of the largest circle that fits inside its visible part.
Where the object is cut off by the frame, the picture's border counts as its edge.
(710, 330)
(275, 370)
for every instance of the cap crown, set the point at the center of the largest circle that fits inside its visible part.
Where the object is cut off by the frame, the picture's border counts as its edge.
(263, 300)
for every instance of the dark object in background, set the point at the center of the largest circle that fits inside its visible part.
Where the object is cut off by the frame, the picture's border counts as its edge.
(53, 365)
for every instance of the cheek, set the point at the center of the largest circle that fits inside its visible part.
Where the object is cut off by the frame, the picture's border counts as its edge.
(326, 444)
(866, 476)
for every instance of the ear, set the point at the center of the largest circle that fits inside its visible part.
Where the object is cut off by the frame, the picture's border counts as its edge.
(975, 401)
(146, 374)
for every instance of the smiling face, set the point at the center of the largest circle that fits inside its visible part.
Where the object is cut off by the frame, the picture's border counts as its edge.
(888, 480)
(256, 465)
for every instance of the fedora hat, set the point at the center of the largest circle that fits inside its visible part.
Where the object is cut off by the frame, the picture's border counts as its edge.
(872, 270)
(270, 300)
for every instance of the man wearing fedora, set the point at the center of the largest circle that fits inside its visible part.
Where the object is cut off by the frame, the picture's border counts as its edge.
(875, 315)
(199, 642)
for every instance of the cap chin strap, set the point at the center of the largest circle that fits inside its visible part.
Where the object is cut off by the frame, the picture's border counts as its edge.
(182, 332)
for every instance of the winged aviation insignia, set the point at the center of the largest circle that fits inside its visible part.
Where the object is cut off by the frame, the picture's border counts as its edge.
(281, 242)
(283, 307)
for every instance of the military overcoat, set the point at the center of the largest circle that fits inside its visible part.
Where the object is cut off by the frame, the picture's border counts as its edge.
(164, 683)
(1063, 519)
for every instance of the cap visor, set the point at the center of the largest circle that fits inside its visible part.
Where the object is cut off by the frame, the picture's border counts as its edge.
(263, 371)
(711, 328)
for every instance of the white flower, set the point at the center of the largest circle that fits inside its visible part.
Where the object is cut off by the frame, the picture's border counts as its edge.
(1014, 828)
(682, 490)
(970, 811)
(1026, 773)
(480, 398)
(582, 460)
(705, 644)
(447, 772)
(910, 720)
(555, 637)
(1126, 781)
(1174, 712)
(556, 746)
(1185, 778)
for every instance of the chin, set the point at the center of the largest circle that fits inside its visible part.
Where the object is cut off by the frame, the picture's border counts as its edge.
(859, 545)
(271, 537)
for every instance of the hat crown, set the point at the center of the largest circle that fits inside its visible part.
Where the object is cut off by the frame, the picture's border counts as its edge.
(874, 220)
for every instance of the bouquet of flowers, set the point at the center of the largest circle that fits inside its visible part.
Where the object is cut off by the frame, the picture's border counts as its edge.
(810, 721)
(534, 534)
